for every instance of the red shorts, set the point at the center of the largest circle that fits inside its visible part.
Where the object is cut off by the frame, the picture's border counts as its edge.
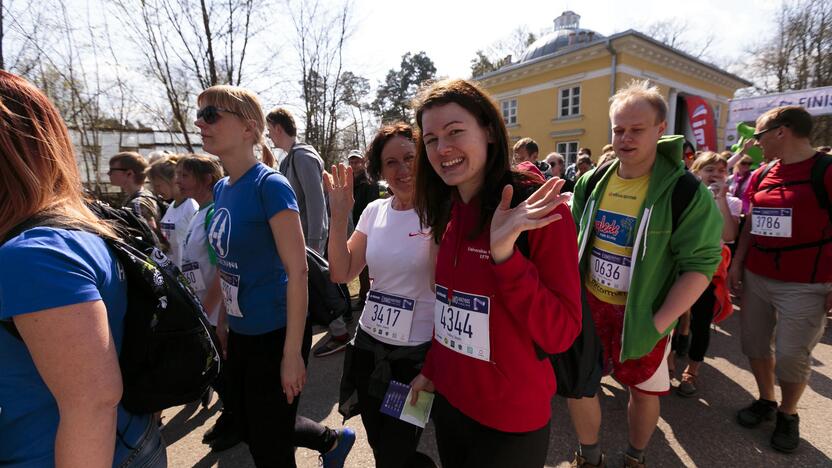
(647, 374)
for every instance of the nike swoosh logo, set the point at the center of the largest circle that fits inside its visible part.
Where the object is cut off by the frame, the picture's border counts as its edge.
(414, 234)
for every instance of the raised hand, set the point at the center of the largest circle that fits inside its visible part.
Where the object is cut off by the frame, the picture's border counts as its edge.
(339, 185)
(535, 212)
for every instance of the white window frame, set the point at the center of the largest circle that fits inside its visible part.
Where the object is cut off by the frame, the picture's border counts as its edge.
(508, 107)
(569, 151)
(572, 108)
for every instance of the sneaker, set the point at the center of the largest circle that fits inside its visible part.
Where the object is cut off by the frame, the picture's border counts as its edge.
(756, 413)
(331, 345)
(580, 462)
(687, 388)
(631, 462)
(336, 457)
(786, 434)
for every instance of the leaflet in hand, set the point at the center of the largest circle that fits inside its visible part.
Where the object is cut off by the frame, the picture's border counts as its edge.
(397, 404)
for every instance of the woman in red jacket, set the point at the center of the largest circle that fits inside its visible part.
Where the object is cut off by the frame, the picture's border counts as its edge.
(494, 304)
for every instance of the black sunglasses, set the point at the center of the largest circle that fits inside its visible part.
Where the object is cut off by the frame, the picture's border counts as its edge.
(210, 114)
(763, 132)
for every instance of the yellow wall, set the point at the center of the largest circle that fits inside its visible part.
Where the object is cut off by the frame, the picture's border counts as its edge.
(537, 111)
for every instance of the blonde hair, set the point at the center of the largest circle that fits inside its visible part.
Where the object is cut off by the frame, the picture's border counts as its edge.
(706, 158)
(640, 90)
(245, 103)
(164, 168)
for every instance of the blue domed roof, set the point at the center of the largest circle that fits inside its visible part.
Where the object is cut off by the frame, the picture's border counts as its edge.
(566, 34)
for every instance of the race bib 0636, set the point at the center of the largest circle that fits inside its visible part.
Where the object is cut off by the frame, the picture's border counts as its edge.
(461, 323)
(610, 270)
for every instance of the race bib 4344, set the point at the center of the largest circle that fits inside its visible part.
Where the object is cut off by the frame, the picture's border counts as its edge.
(461, 323)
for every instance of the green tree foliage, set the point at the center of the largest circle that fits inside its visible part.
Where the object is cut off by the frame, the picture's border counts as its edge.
(393, 97)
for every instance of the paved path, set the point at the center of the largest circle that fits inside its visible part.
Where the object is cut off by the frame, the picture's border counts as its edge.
(692, 432)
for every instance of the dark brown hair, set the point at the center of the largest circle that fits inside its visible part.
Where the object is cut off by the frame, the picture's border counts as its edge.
(282, 117)
(132, 161)
(432, 197)
(794, 117)
(384, 134)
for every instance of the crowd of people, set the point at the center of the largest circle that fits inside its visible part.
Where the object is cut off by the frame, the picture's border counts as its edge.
(483, 269)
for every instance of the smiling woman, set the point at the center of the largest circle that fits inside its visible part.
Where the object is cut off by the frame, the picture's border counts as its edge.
(494, 305)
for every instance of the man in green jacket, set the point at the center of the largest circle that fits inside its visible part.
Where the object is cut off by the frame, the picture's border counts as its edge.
(639, 271)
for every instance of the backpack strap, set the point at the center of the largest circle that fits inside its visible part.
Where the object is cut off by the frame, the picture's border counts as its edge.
(683, 193)
(596, 177)
(819, 168)
(763, 174)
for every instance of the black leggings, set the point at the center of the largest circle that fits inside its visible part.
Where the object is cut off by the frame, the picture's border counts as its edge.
(393, 441)
(265, 420)
(465, 443)
(701, 316)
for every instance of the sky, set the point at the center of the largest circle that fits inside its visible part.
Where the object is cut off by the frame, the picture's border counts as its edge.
(451, 31)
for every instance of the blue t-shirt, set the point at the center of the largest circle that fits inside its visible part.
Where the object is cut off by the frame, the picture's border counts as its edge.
(252, 276)
(44, 268)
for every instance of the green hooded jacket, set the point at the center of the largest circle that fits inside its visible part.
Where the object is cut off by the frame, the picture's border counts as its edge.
(660, 254)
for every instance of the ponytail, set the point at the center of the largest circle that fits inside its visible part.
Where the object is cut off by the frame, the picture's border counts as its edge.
(267, 156)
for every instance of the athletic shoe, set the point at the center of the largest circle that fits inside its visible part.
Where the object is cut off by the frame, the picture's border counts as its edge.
(331, 345)
(756, 413)
(786, 434)
(336, 457)
(687, 388)
(580, 462)
(631, 462)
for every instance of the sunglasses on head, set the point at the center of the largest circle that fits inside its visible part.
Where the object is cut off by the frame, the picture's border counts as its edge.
(763, 132)
(210, 114)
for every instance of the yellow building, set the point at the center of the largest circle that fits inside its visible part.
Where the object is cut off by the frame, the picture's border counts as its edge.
(558, 92)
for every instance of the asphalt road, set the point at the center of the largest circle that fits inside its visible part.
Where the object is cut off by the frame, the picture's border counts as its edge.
(698, 431)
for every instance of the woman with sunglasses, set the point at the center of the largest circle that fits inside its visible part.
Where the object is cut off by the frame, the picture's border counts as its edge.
(65, 295)
(497, 303)
(390, 343)
(256, 234)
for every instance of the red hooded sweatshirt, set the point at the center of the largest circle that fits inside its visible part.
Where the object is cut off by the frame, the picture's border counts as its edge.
(530, 301)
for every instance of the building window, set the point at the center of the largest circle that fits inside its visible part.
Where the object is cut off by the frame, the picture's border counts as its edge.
(569, 150)
(509, 107)
(569, 104)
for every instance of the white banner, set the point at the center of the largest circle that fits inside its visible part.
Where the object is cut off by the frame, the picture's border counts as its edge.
(817, 101)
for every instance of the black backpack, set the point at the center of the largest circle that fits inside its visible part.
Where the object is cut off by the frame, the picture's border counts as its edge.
(327, 300)
(169, 354)
(577, 368)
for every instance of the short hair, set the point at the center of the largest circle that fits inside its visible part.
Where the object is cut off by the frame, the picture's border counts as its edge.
(131, 161)
(796, 118)
(607, 148)
(201, 166)
(529, 144)
(584, 160)
(556, 156)
(640, 90)
(607, 157)
(706, 158)
(745, 159)
(164, 168)
(585, 151)
(282, 117)
(384, 134)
